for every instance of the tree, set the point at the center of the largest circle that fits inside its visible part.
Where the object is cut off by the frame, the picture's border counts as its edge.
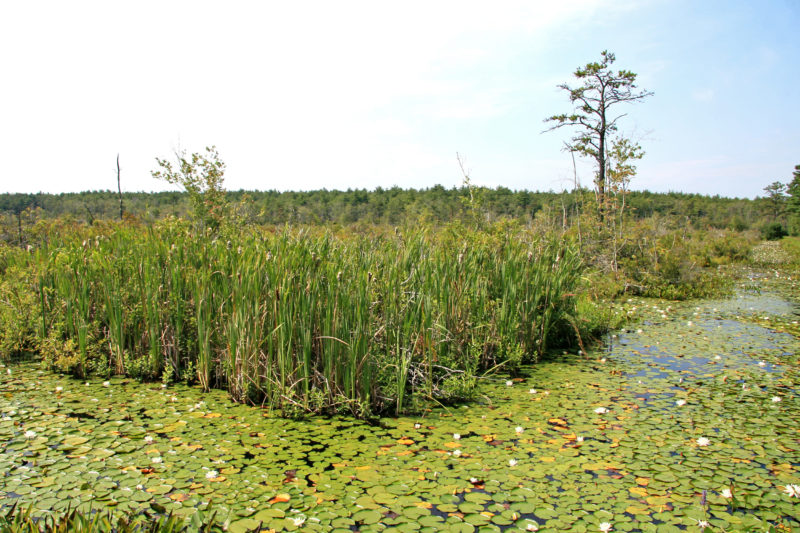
(776, 199)
(601, 90)
(201, 175)
(793, 202)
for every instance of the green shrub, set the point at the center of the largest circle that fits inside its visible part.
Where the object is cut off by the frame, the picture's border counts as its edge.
(773, 231)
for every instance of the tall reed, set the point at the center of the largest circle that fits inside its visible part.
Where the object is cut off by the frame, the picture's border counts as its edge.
(306, 321)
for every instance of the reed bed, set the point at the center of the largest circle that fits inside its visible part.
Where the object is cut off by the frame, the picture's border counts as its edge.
(306, 321)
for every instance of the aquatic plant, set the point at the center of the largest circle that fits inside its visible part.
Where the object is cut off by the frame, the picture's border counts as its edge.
(303, 320)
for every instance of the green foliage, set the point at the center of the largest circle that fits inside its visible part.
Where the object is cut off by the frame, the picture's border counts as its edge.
(309, 320)
(16, 519)
(600, 90)
(773, 231)
(201, 176)
(20, 316)
(393, 207)
(793, 202)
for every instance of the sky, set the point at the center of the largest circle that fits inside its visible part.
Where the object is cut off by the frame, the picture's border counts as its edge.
(364, 94)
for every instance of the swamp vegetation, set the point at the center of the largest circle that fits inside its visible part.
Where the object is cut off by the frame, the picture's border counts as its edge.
(476, 375)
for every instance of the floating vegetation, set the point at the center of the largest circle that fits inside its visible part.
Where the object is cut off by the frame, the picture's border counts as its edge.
(654, 434)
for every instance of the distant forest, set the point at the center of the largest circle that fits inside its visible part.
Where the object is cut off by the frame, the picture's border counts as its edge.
(394, 206)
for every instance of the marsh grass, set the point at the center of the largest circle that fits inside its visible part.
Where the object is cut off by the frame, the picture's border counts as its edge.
(305, 320)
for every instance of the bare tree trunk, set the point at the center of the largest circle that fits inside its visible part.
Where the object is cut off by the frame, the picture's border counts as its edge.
(119, 190)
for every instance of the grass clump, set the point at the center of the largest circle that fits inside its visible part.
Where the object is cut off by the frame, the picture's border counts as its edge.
(306, 321)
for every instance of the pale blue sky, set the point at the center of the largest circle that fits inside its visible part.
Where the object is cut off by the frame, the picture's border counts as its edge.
(364, 94)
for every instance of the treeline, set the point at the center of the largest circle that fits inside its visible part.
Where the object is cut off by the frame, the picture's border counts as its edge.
(394, 206)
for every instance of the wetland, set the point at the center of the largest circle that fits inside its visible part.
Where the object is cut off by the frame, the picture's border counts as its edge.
(687, 419)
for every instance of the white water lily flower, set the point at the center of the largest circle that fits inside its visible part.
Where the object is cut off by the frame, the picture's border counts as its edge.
(792, 490)
(702, 441)
(702, 524)
(30, 434)
(473, 480)
(456, 436)
(532, 391)
(211, 474)
(509, 383)
(417, 425)
(605, 527)
(532, 527)
(580, 438)
(456, 453)
(680, 402)
(776, 399)
(148, 439)
(726, 493)
(59, 389)
(298, 521)
(519, 429)
(157, 460)
(512, 462)
(106, 384)
(762, 363)
(601, 410)
(689, 323)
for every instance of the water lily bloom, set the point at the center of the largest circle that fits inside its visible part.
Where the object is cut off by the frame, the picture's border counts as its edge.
(519, 429)
(680, 403)
(532, 391)
(456, 436)
(456, 453)
(509, 383)
(473, 480)
(512, 462)
(30, 434)
(157, 460)
(211, 474)
(689, 323)
(726, 493)
(702, 441)
(601, 410)
(762, 363)
(776, 399)
(792, 490)
(106, 384)
(417, 425)
(148, 439)
(702, 524)
(605, 527)
(59, 389)
(580, 438)
(532, 527)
